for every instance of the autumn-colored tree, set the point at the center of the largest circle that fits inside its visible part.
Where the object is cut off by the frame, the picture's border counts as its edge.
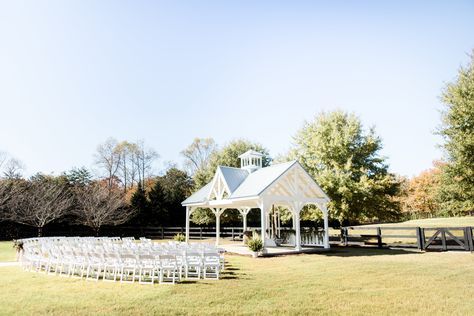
(421, 194)
(125, 163)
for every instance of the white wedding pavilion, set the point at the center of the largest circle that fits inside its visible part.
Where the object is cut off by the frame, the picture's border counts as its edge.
(251, 186)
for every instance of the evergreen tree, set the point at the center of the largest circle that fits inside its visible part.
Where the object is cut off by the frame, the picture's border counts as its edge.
(159, 208)
(457, 129)
(141, 205)
(177, 187)
(79, 176)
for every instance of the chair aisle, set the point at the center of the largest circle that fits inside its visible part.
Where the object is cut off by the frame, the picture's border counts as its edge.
(124, 260)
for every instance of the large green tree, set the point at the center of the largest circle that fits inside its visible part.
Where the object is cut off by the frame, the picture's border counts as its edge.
(345, 160)
(457, 129)
(177, 186)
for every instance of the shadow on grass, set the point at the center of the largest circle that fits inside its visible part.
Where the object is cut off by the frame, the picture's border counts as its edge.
(367, 252)
(231, 269)
(185, 282)
(229, 277)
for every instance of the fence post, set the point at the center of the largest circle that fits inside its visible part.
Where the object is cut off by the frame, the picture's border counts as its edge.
(346, 236)
(182, 229)
(443, 239)
(200, 232)
(162, 233)
(232, 233)
(419, 238)
(379, 237)
(470, 239)
(467, 245)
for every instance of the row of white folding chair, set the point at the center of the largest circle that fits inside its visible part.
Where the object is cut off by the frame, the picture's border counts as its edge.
(92, 244)
(93, 265)
(129, 268)
(90, 265)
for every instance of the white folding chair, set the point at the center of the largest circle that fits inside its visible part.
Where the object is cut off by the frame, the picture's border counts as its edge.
(128, 268)
(168, 269)
(193, 265)
(211, 265)
(94, 266)
(148, 269)
(112, 266)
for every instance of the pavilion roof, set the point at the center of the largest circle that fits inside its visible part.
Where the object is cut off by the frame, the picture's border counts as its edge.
(241, 183)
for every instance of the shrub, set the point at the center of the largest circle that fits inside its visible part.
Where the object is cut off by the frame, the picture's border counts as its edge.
(180, 237)
(18, 245)
(255, 244)
(247, 235)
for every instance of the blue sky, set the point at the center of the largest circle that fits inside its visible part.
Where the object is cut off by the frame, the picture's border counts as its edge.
(73, 73)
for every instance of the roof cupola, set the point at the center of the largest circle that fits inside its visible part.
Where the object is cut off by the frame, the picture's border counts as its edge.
(251, 160)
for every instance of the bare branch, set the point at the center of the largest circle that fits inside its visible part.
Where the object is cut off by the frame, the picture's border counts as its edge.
(13, 168)
(98, 206)
(197, 154)
(39, 202)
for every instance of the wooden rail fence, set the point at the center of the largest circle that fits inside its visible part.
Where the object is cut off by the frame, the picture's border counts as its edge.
(194, 232)
(439, 238)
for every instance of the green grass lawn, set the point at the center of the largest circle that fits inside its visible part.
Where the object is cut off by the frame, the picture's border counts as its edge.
(344, 281)
(7, 252)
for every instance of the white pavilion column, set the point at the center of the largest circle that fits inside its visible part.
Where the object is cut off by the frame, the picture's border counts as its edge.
(278, 224)
(218, 228)
(263, 224)
(244, 219)
(297, 206)
(268, 222)
(188, 215)
(244, 211)
(218, 212)
(296, 216)
(326, 226)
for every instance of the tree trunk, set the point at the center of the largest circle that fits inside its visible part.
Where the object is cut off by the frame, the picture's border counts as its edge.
(40, 231)
(97, 229)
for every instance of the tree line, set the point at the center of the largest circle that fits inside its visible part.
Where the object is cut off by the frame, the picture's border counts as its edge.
(342, 155)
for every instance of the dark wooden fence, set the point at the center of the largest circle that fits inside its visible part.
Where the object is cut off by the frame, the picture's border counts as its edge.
(194, 232)
(439, 238)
